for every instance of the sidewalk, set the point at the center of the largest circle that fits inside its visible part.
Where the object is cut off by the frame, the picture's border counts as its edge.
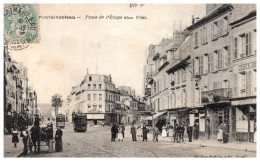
(243, 146)
(9, 150)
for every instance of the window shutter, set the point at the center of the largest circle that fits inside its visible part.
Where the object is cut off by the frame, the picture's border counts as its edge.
(205, 35)
(212, 31)
(229, 57)
(215, 61)
(209, 62)
(220, 59)
(201, 35)
(212, 68)
(235, 48)
(248, 83)
(201, 68)
(193, 67)
(249, 43)
(235, 85)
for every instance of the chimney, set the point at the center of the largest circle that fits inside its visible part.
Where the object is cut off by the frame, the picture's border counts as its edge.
(193, 19)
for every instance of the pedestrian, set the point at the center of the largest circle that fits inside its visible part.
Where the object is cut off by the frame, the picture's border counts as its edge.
(164, 131)
(189, 132)
(114, 131)
(15, 138)
(123, 130)
(225, 133)
(50, 138)
(156, 132)
(175, 133)
(30, 143)
(58, 140)
(133, 132)
(139, 132)
(220, 133)
(120, 134)
(195, 131)
(182, 129)
(24, 134)
(34, 137)
(38, 138)
(144, 132)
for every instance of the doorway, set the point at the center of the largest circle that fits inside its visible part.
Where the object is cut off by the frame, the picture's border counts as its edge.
(208, 128)
(95, 122)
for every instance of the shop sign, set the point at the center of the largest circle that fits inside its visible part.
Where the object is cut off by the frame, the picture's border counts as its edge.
(247, 66)
(244, 102)
(95, 116)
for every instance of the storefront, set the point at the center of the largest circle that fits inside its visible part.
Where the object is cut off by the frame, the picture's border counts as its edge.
(244, 119)
(216, 114)
(96, 119)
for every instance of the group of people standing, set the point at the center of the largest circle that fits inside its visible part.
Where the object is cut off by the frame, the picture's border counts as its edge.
(117, 131)
(32, 138)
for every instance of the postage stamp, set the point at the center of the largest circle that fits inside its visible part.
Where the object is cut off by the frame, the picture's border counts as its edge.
(21, 24)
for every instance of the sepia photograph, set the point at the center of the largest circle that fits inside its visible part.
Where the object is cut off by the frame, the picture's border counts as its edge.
(129, 80)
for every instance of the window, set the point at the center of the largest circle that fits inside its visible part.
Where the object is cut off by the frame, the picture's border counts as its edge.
(235, 88)
(246, 45)
(193, 67)
(94, 97)
(201, 60)
(205, 64)
(178, 76)
(95, 107)
(204, 38)
(225, 25)
(235, 48)
(214, 30)
(226, 57)
(90, 78)
(100, 97)
(214, 61)
(219, 54)
(183, 74)
(248, 83)
(100, 107)
(100, 86)
(89, 97)
(89, 107)
(94, 86)
(196, 39)
(89, 86)
(243, 83)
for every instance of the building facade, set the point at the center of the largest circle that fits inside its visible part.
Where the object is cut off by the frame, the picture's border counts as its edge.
(16, 99)
(210, 79)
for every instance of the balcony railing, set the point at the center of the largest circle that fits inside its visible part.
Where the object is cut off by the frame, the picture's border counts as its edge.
(216, 95)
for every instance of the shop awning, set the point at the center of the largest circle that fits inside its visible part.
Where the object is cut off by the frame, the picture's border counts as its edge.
(154, 116)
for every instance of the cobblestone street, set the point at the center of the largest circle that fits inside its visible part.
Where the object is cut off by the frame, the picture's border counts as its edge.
(96, 143)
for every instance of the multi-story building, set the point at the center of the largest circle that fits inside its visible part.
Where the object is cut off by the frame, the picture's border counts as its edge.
(212, 67)
(243, 102)
(97, 96)
(15, 93)
(211, 76)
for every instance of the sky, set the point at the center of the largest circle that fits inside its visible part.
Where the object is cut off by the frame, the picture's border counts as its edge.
(67, 48)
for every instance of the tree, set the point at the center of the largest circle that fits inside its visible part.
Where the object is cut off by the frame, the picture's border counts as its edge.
(56, 101)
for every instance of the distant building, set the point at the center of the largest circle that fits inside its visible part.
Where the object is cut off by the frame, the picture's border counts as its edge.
(97, 96)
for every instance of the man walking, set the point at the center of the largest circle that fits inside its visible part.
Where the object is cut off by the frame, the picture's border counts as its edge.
(175, 132)
(50, 137)
(114, 131)
(189, 132)
(34, 137)
(133, 132)
(144, 133)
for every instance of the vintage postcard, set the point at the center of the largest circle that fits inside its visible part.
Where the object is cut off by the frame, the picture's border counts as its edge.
(129, 80)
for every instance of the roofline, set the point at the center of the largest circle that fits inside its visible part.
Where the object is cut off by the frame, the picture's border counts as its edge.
(219, 11)
(248, 16)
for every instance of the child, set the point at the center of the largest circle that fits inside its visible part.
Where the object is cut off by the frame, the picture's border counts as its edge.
(15, 138)
(120, 134)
